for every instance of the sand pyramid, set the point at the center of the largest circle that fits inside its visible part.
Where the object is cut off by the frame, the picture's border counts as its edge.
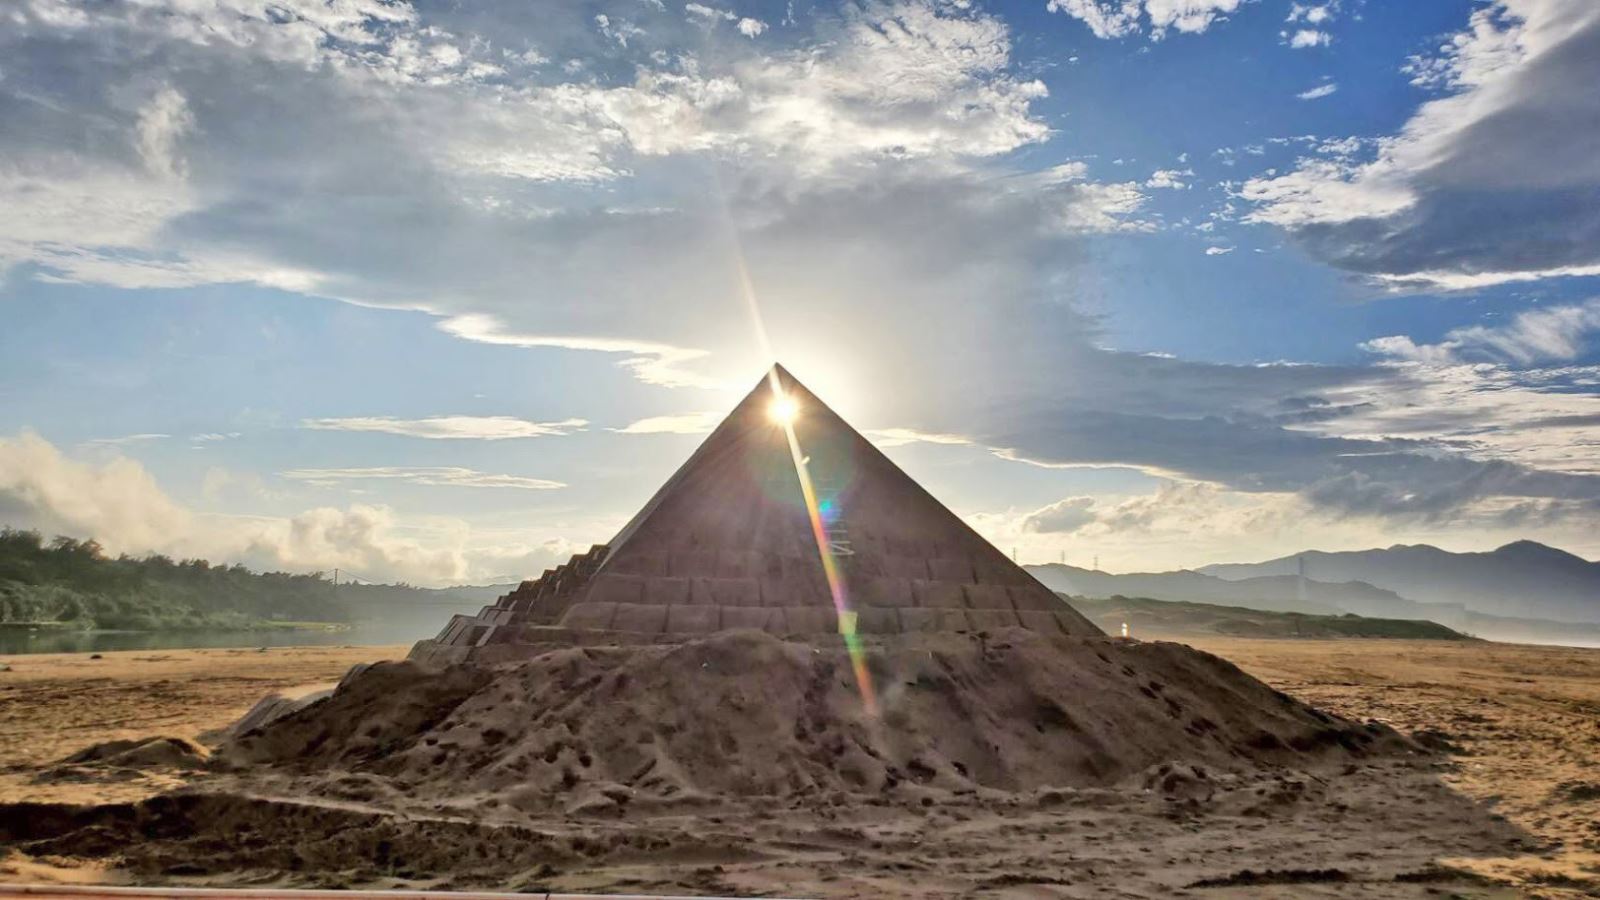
(732, 541)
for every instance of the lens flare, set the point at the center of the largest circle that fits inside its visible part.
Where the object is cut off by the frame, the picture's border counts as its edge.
(783, 409)
(820, 514)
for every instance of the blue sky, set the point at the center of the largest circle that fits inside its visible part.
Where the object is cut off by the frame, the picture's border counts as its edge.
(440, 293)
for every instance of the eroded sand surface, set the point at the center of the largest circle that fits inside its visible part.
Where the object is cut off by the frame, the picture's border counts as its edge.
(1520, 727)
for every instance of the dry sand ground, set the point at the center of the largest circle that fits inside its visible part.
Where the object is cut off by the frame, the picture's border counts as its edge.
(1511, 809)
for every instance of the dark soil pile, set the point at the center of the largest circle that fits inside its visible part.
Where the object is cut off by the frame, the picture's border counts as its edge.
(743, 714)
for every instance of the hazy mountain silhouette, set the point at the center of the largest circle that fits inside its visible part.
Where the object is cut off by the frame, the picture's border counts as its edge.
(1277, 593)
(1522, 579)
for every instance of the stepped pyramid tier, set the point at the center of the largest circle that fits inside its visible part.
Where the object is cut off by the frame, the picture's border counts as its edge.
(785, 520)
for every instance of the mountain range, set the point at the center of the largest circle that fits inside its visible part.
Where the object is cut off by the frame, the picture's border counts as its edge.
(1275, 593)
(1521, 579)
(1524, 591)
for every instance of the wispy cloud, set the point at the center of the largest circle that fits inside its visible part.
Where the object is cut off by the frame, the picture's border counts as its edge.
(1457, 198)
(1318, 92)
(120, 504)
(1309, 37)
(650, 362)
(476, 428)
(1171, 179)
(127, 439)
(437, 476)
(1112, 19)
(899, 437)
(686, 423)
(1555, 334)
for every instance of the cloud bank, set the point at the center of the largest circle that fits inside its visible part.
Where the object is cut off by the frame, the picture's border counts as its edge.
(120, 505)
(1491, 182)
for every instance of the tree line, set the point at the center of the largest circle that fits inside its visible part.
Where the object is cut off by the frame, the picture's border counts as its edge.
(67, 580)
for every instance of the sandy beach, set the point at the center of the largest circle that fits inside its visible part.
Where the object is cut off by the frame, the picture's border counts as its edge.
(1508, 805)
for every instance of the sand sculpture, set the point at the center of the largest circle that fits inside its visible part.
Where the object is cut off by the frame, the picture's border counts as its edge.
(731, 541)
(790, 614)
(789, 636)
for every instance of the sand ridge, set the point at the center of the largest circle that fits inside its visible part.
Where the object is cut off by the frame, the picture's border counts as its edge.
(747, 714)
(1380, 826)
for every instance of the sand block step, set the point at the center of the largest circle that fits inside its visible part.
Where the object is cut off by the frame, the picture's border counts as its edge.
(692, 563)
(878, 620)
(608, 587)
(906, 567)
(757, 617)
(951, 569)
(988, 596)
(810, 620)
(882, 592)
(693, 619)
(982, 619)
(641, 618)
(939, 595)
(780, 592)
(591, 615)
(934, 619)
(725, 592)
(668, 591)
(1036, 620)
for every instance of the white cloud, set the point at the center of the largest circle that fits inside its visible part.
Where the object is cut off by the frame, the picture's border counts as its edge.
(751, 28)
(568, 207)
(1119, 18)
(701, 11)
(478, 428)
(122, 507)
(1324, 192)
(686, 423)
(1171, 179)
(1309, 37)
(1061, 517)
(1318, 92)
(652, 363)
(117, 503)
(437, 476)
(1552, 334)
(1543, 419)
(622, 31)
(1482, 185)
(899, 437)
(127, 439)
(1218, 251)
(162, 124)
(1177, 524)
(1311, 13)
(917, 78)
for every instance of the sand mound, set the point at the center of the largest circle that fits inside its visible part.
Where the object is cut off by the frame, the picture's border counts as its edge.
(150, 753)
(747, 714)
(196, 833)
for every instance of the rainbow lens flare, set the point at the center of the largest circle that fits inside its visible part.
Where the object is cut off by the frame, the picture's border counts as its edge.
(821, 515)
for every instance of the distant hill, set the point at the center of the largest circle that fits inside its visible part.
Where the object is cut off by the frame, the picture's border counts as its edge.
(72, 583)
(1524, 579)
(1292, 594)
(1156, 618)
(1280, 593)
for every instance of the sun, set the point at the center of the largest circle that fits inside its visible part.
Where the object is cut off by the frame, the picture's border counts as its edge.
(783, 409)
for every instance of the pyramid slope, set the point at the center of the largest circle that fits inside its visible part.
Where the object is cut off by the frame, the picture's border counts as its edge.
(728, 542)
